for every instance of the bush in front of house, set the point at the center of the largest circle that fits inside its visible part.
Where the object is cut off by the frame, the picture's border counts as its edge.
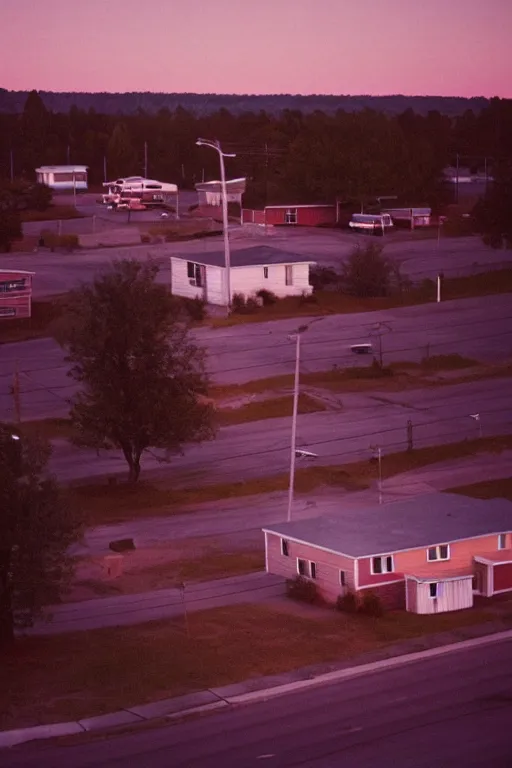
(347, 602)
(267, 297)
(243, 306)
(371, 605)
(301, 589)
(322, 278)
(196, 309)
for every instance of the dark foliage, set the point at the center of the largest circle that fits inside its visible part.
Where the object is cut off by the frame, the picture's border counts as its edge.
(302, 589)
(367, 273)
(36, 530)
(371, 605)
(347, 602)
(142, 379)
(289, 155)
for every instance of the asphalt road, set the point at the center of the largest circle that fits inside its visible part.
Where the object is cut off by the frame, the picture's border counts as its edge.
(479, 328)
(238, 522)
(418, 258)
(452, 710)
(260, 449)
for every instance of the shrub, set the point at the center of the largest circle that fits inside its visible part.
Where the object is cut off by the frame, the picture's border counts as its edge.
(242, 306)
(300, 588)
(145, 238)
(347, 602)
(238, 303)
(196, 309)
(367, 273)
(323, 277)
(267, 297)
(371, 605)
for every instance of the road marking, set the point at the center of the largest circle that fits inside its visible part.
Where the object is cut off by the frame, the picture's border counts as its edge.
(264, 757)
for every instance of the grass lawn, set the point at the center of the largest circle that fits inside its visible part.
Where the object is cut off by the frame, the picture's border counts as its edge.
(400, 375)
(102, 503)
(273, 408)
(487, 489)
(335, 302)
(72, 676)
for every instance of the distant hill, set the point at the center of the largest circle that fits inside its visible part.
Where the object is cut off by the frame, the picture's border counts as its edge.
(203, 104)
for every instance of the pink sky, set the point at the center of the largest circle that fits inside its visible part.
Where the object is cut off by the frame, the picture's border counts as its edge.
(439, 47)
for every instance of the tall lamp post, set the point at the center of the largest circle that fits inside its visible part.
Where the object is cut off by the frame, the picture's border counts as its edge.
(293, 448)
(227, 256)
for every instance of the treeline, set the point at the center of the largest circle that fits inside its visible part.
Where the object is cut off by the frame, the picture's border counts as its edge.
(294, 157)
(206, 103)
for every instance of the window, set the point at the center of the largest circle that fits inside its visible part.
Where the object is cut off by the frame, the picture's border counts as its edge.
(342, 578)
(194, 274)
(442, 552)
(265, 272)
(288, 274)
(502, 541)
(382, 564)
(285, 551)
(306, 568)
(11, 286)
(433, 589)
(290, 216)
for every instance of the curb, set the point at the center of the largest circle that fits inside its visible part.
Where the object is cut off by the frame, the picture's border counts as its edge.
(210, 701)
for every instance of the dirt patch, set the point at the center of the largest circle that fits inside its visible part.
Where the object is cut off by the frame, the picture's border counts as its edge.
(162, 567)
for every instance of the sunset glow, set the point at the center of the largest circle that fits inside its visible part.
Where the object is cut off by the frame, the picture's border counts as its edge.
(456, 48)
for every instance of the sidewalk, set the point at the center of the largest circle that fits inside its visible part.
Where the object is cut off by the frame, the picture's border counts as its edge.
(158, 604)
(263, 688)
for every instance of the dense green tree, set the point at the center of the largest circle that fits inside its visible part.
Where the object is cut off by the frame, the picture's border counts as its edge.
(493, 214)
(367, 272)
(142, 378)
(36, 531)
(10, 228)
(121, 155)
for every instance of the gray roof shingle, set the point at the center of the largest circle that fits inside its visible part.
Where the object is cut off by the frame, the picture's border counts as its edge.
(257, 255)
(438, 518)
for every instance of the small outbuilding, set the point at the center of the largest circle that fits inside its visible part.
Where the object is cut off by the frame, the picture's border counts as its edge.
(203, 275)
(63, 177)
(429, 554)
(15, 294)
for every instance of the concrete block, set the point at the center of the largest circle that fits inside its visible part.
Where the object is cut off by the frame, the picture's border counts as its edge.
(22, 735)
(111, 720)
(177, 704)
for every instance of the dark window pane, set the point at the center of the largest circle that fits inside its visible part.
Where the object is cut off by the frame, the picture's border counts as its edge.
(377, 565)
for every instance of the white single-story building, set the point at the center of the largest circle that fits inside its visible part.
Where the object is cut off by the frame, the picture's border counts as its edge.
(203, 275)
(63, 176)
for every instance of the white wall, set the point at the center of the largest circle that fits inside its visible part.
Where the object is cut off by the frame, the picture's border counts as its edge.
(215, 286)
(249, 280)
(246, 280)
(454, 595)
(180, 282)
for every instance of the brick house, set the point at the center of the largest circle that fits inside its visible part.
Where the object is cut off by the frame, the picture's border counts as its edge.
(427, 555)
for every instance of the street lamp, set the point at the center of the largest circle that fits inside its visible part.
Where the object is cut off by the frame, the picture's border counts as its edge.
(294, 452)
(227, 257)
